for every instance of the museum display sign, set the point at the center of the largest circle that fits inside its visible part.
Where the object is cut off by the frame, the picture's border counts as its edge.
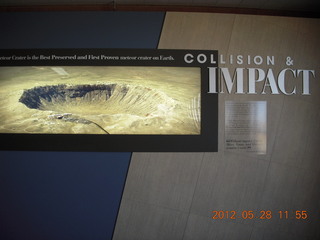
(246, 126)
(107, 100)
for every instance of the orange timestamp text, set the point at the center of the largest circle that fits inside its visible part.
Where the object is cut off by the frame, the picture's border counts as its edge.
(263, 214)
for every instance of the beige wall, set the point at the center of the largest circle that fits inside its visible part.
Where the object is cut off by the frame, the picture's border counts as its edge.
(171, 195)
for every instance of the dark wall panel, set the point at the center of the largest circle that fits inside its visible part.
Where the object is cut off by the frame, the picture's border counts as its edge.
(80, 30)
(60, 195)
(67, 195)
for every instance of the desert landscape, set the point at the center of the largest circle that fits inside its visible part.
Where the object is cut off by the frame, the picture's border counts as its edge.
(100, 100)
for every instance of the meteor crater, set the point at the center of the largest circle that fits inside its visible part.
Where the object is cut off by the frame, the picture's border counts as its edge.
(98, 99)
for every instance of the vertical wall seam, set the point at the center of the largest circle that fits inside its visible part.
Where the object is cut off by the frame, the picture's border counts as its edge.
(161, 29)
(122, 193)
(195, 188)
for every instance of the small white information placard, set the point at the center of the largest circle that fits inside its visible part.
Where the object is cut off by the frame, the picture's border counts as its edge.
(246, 126)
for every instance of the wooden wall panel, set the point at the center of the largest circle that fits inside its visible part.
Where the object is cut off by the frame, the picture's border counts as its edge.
(284, 179)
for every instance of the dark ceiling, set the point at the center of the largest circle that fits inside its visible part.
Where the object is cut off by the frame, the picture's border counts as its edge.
(309, 8)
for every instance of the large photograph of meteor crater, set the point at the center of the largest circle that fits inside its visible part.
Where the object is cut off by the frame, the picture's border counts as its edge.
(100, 100)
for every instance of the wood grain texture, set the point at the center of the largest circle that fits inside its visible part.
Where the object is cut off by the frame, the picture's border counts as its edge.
(284, 178)
(164, 179)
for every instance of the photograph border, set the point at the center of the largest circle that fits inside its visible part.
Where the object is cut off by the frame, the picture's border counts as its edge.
(206, 141)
